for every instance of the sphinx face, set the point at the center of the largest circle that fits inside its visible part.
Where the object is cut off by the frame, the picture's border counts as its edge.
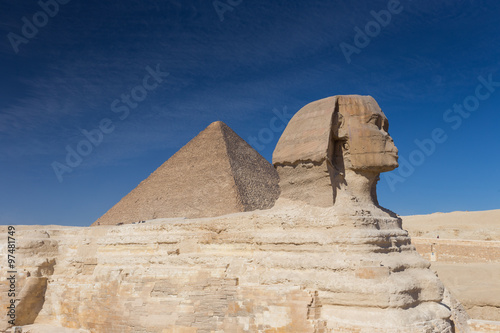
(369, 147)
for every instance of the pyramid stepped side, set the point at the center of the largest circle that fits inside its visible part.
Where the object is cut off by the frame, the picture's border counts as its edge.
(200, 180)
(256, 179)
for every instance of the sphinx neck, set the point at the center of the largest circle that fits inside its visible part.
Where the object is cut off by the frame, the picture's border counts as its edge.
(357, 189)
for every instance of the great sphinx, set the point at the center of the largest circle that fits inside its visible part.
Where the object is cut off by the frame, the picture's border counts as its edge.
(331, 155)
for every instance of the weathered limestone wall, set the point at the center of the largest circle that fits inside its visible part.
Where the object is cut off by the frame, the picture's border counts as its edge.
(284, 270)
(470, 270)
(458, 251)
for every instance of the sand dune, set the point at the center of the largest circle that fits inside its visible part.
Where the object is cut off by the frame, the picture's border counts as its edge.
(481, 225)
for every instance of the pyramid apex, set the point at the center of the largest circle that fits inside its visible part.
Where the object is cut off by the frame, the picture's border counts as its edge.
(217, 124)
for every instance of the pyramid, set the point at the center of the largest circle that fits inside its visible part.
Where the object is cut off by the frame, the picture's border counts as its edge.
(215, 173)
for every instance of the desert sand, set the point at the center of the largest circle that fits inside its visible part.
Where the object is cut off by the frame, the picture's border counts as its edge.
(481, 225)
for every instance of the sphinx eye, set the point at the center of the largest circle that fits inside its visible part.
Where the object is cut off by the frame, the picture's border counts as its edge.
(345, 145)
(376, 120)
(385, 125)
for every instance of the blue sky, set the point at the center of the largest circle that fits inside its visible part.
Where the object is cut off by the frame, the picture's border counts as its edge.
(64, 71)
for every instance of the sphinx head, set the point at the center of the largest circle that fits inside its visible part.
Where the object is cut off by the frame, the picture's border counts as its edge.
(360, 134)
(332, 152)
